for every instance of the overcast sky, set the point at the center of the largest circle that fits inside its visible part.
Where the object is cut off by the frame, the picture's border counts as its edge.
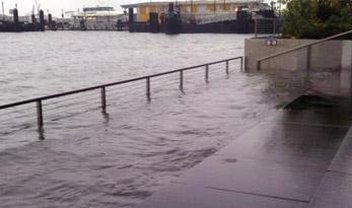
(55, 6)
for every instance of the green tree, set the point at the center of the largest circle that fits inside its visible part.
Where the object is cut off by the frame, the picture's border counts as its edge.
(316, 18)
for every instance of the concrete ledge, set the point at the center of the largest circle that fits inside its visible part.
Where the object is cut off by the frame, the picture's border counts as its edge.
(330, 55)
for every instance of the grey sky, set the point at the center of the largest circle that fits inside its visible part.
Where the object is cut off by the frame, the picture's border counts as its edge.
(55, 6)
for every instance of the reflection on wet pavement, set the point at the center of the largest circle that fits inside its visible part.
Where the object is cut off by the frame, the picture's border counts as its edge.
(287, 160)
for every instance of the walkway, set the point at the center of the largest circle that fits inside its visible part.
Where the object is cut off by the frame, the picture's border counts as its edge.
(292, 159)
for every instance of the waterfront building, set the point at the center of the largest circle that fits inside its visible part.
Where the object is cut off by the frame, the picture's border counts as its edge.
(200, 12)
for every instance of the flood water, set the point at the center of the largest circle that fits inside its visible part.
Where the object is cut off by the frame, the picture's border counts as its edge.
(33, 64)
(90, 159)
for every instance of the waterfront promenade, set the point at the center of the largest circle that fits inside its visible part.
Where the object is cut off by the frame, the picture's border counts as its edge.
(290, 159)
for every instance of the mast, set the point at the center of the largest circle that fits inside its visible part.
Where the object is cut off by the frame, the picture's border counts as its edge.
(3, 10)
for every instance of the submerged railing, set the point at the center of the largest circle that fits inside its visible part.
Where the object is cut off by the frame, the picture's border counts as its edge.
(38, 101)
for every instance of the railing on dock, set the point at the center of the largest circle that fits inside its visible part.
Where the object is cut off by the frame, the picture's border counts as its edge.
(38, 101)
(265, 27)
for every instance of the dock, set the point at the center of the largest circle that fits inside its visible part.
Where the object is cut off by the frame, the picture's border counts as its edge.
(290, 159)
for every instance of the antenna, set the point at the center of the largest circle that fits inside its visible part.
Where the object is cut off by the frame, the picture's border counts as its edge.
(37, 5)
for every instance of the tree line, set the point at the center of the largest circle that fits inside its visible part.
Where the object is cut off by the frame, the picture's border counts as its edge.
(316, 18)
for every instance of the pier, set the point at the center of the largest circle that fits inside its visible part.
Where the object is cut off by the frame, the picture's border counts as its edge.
(200, 17)
(14, 24)
(156, 17)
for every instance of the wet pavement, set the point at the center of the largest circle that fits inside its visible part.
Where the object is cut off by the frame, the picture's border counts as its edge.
(290, 159)
(336, 187)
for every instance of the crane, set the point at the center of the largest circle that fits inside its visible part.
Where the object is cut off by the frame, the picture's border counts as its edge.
(37, 5)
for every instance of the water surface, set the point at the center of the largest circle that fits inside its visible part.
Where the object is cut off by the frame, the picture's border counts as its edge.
(117, 160)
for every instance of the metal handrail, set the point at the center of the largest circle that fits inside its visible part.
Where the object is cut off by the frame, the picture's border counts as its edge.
(300, 47)
(38, 100)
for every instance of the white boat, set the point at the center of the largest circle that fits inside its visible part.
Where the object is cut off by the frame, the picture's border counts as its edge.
(95, 18)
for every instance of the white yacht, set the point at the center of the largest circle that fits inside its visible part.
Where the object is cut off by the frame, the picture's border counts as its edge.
(96, 18)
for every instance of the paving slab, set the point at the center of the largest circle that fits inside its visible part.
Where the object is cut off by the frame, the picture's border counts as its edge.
(260, 177)
(281, 162)
(343, 160)
(185, 196)
(334, 192)
(298, 144)
(336, 187)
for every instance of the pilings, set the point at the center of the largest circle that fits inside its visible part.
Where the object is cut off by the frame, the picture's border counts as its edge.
(16, 20)
(15, 17)
(130, 20)
(50, 21)
(33, 19)
(41, 21)
(171, 7)
(17, 26)
(154, 22)
(172, 21)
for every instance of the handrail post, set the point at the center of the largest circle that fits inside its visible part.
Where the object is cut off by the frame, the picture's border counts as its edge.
(259, 63)
(181, 80)
(309, 58)
(274, 28)
(207, 73)
(103, 100)
(40, 115)
(242, 64)
(255, 28)
(148, 88)
(227, 67)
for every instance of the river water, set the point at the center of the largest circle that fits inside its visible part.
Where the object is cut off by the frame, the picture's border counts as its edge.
(90, 159)
(33, 64)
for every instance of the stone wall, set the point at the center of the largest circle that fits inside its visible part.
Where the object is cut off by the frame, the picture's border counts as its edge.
(325, 56)
(331, 61)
